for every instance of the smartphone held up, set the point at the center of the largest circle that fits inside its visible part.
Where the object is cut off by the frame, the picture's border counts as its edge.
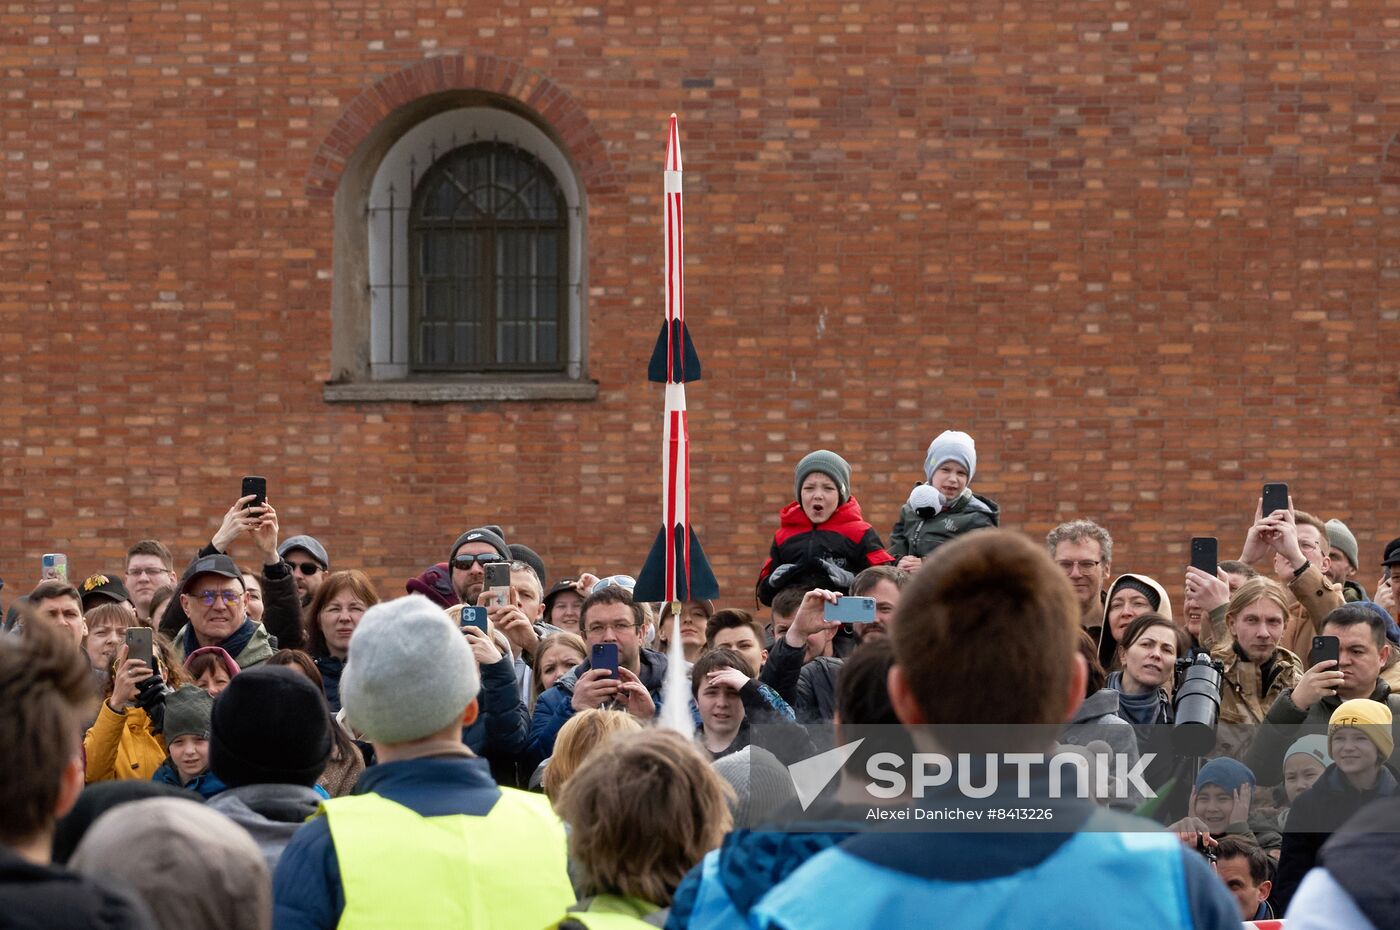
(256, 487)
(850, 610)
(53, 565)
(139, 645)
(473, 616)
(498, 582)
(1275, 497)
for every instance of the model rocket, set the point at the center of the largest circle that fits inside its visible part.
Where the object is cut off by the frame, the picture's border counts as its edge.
(676, 570)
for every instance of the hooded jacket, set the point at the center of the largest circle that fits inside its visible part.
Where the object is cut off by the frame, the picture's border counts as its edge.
(1098, 719)
(719, 891)
(271, 813)
(206, 784)
(555, 706)
(1108, 645)
(845, 540)
(919, 534)
(122, 746)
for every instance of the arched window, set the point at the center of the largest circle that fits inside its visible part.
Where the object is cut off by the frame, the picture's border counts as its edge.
(488, 248)
(460, 269)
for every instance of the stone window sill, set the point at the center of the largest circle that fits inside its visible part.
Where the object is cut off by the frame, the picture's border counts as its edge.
(426, 391)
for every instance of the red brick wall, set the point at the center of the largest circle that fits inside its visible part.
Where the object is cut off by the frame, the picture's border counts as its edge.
(1148, 257)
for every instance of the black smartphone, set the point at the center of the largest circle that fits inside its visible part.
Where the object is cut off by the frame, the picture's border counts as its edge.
(1324, 648)
(139, 645)
(1205, 554)
(498, 581)
(605, 656)
(1275, 498)
(257, 486)
(473, 616)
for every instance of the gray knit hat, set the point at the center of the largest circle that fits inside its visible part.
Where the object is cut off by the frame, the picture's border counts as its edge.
(410, 672)
(491, 535)
(829, 464)
(1338, 535)
(951, 446)
(187, 713)
(761, 784)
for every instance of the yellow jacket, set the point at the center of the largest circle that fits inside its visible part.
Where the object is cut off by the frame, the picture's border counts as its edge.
(122, 746)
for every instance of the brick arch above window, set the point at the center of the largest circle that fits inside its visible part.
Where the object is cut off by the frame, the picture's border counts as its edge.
(483, 73)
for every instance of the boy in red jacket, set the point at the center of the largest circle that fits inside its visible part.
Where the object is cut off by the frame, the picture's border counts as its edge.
(822, 539)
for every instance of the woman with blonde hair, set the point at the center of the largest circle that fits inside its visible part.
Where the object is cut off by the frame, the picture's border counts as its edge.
(578, 738)
(124, 741)
(330, 619)
(640, 816)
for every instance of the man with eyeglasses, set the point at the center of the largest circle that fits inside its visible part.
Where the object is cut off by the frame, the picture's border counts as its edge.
(470, 555)
(149, 567)
(1084, 552)
(609, 615)
(212, 597)
(309, 563)
(281, 603)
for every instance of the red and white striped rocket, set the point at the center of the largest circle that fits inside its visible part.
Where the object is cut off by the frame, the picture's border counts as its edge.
(676, 569)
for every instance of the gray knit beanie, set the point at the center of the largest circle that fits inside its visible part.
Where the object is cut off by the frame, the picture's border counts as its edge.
(761, 784)
(951, 446)
(1340, 536)
(410, 672)
(187, 713)
(829, 464)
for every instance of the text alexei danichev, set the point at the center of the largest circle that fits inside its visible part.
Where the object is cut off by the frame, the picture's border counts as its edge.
(958, 813)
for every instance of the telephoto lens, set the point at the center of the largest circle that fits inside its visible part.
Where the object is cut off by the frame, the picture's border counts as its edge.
(1197, 707)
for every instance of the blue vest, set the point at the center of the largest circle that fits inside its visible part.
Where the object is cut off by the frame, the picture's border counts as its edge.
(1094, 881)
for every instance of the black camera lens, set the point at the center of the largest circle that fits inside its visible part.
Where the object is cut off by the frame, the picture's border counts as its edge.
(1197, 707)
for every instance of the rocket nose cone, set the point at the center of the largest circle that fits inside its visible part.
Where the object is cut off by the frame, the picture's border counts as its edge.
(673, 146)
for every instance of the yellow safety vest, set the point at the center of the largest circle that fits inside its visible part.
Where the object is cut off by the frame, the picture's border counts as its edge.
(610, 912)
(399, 869)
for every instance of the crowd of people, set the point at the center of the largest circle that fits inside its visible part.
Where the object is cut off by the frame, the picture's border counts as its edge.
(271, 741)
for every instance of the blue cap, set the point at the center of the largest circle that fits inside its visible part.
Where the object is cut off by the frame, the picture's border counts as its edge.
(1392, 630)
(1227, 773)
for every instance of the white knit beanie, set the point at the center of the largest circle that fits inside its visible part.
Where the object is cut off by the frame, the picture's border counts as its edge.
(954, 446)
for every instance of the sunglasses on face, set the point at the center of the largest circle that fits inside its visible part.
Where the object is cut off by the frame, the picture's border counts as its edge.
(464, 562)
(306, 568)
